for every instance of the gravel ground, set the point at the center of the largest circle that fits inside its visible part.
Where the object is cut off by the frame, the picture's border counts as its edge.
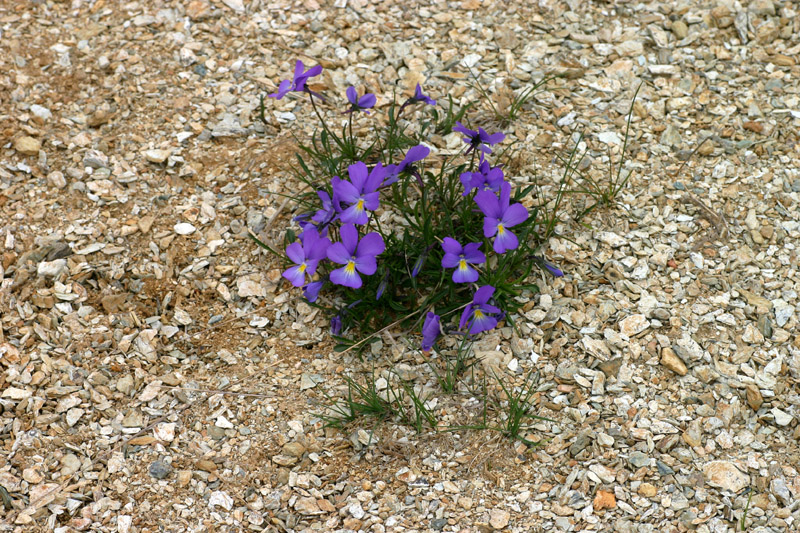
(156, 374)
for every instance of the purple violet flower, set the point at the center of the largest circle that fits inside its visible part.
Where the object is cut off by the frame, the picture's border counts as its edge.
(487, 178)
(460, 258)
(479, 139)
(359, 104)
(430, 331)
(479, 314)
(299, 81)
(419, 97)
(382, 286)
(311, 291)
(306, 254)
(355, 256)
(360, 193)
(414, 154)
(500, 216)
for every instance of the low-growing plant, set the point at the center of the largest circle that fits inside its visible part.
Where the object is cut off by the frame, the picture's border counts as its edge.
(387, 231)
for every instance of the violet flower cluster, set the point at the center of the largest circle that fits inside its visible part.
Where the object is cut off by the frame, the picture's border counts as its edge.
(337, 244)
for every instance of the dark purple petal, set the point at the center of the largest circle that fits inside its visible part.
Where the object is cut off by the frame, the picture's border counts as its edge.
(344, 191)
(515, 214)
(489, 204)
(352, 95)
(483, 294)
(505, 197)
(299, 67)
(473, 255)
(314, 71)
(490, 226)
(418, 265)
(382, 286)
(416, 153)
(367, 265)
(450, 260)
(358, 175)
(338, 253)
(557, 272)
(451, 246)
(367, 101)
(371, 245)
(311, 291)
(460, 128)
(465, 316)
(349, 236)
(430, 330)
(375, 178)
(489, 308)
(296, 253)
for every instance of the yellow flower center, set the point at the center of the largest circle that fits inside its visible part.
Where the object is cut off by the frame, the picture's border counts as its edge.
(500, 229)
(360, 205)
(478, 314)
(350, 268)
(462, 265)
(302, 267)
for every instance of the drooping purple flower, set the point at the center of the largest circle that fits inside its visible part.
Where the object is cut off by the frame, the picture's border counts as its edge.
(480, 315)
(479, 140)
(458, 257)
(500, 216)
(382, 286)
(487, 178)
(336, 325)
(306, 254)
(359, 104)
(414, 154)
(360, 193)
(544, 263)
(311, 291)
(298, 83)
(430, 331)
(355, 256)
(418, 265)
(419, 97)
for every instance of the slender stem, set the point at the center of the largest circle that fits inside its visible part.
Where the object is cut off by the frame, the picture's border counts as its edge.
(319, 115)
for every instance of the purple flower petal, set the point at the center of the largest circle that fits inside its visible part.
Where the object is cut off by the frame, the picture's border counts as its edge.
(472, 253)
(465, 317)
(367, 101)
(352, 95)
(338, 253)
(450, 260)
(296, 275)
(515, 214)
(349, 238)
(367, 265)
(346, 276)
(481, 322)
(451, 246)
(295, 252)
(430, 330)
(358, 175)
(464, 273)
(483, 294)
(311, 291)
(505, 240)
(490, 226)
(489, 204)
(372, 244)
(460, 128)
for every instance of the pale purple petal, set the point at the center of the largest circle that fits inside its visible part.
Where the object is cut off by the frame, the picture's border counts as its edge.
(484, 323)
(367, 264)
(465, 275)
(490, 226)
(505, 241)
(311, 291)
(473, 255)
(450, 260)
